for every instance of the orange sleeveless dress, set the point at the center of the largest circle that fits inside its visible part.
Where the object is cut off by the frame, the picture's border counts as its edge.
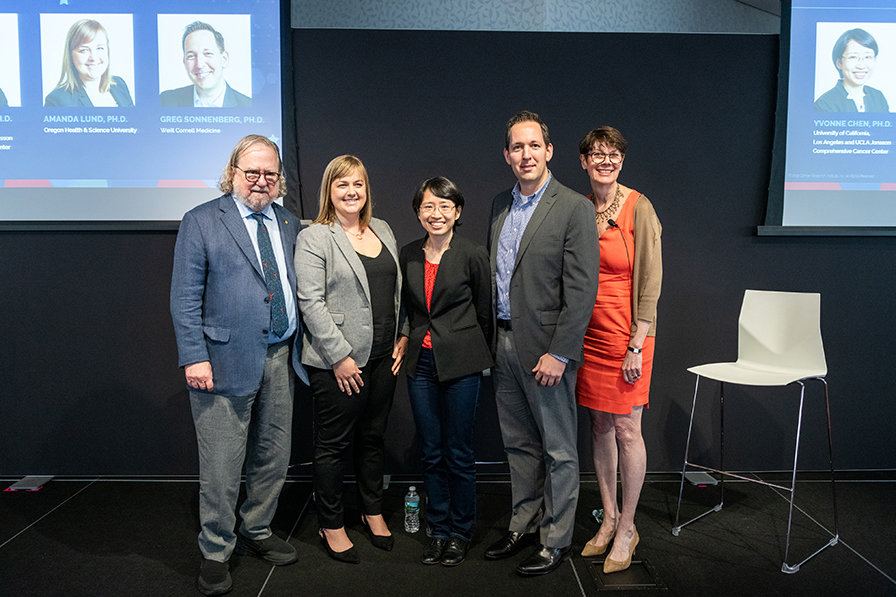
(599, 384)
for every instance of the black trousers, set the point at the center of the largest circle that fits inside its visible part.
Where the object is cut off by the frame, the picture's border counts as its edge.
(339, 420)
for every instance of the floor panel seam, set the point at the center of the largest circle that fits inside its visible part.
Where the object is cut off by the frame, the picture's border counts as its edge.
(288, 537)
(839, 539)
(65, 501)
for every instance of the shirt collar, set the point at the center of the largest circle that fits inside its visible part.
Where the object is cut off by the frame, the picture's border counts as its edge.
(216, 102)
(523, 200)
(245, 212)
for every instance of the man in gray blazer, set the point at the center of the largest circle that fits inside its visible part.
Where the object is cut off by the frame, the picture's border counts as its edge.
(544, 256)
(233, 306)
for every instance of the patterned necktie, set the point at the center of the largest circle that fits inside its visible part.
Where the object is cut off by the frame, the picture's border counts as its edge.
(279, 318)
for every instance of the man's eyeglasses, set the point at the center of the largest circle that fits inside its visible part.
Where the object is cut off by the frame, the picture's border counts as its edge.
(253, 175)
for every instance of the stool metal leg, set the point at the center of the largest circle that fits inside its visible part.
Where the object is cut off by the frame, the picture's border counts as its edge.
(721, 444)
(785, 567)
(827, 410)
(677, 528)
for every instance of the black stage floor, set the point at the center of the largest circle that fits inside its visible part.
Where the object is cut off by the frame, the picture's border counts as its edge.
(125, 537)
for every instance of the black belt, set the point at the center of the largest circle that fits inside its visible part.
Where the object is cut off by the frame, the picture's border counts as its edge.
(505, 324)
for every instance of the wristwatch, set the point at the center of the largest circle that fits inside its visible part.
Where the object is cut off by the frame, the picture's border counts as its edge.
(635, 350)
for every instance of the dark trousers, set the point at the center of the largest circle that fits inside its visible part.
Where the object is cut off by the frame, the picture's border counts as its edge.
(445, 414)
(340, 420)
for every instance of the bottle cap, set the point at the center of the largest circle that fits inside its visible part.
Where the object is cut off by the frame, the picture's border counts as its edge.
(412, 488)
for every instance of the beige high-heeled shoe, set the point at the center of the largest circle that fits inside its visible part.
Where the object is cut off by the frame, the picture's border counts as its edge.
(591, 549)
(611, 565)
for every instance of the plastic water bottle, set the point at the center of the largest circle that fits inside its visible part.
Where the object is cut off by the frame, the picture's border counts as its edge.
(598, 515)
(412, 510)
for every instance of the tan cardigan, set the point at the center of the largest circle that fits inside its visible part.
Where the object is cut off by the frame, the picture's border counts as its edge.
(647, 271)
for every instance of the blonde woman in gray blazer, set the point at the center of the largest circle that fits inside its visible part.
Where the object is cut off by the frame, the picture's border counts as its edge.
(349, 293)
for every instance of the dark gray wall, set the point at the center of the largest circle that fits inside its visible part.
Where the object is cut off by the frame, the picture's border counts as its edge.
(89, 383)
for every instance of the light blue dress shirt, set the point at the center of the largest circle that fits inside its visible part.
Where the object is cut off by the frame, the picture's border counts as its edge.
(277, 244)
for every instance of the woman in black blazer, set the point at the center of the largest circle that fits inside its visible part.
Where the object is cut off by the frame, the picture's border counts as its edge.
(86, 79)
(447, 297)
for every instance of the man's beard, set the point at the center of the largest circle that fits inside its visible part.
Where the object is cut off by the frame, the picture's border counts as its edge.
(253, 204)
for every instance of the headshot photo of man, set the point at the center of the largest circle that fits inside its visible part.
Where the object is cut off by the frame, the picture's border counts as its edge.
(206, 61)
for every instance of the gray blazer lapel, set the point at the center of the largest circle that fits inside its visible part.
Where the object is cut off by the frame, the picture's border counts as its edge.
(541, 211)
(231, 219)
(351, 256)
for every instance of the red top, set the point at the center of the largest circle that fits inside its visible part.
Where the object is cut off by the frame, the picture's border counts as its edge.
(429, 280)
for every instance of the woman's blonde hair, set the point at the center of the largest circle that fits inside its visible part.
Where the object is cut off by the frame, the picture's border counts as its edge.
(338, 168)
(81, 32)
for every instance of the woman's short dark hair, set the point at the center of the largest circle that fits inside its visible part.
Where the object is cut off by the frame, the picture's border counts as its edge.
(605, 135)
(442, 188)
(860, 36)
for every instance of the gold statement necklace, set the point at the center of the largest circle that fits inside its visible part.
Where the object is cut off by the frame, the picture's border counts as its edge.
(603, 216)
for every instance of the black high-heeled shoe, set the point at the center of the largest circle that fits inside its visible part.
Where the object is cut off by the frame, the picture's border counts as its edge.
(385, 542)
(349, 556)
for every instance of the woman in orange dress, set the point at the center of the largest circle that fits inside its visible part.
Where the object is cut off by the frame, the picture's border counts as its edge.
(614, 380)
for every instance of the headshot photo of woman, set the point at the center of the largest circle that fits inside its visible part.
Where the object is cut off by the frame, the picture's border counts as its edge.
(614, 380)
(349, 294)
(86, 79)
(447, 297)
(855, 58)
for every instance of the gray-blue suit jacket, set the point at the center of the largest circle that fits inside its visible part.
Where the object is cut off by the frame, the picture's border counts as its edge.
(218, 294)
(334, 296)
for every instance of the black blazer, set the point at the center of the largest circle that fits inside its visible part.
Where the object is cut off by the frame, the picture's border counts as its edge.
(61, 97)
(460, 321)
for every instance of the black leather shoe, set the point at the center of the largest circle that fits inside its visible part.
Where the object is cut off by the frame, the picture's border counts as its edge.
(273, 550)
(214, 578)
(543, 561)
(455, 552)
(433, 552)
(508, 545)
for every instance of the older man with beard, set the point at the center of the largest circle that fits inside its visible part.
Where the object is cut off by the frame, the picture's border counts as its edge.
(233, 306)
